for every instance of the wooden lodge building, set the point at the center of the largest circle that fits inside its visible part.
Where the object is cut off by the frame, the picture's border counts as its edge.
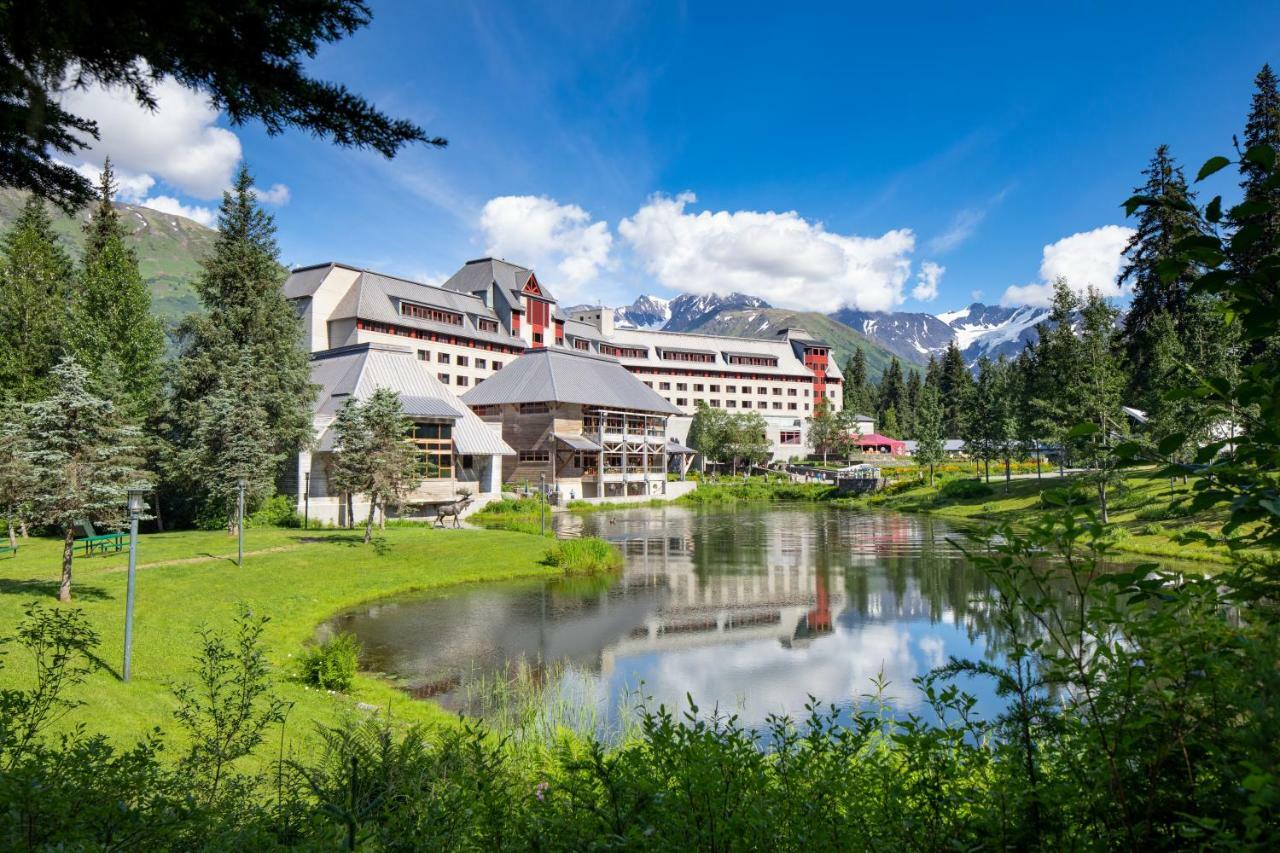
(581, 424)
(490, 312)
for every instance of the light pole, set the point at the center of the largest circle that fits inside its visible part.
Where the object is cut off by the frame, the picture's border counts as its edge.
(306, 500)
(135, 509)
(240, 522)
(542, 503)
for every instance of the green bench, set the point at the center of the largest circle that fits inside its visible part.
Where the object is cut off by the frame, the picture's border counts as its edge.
(92, 540)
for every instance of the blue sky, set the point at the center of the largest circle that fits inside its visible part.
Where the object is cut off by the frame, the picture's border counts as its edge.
(859, 157)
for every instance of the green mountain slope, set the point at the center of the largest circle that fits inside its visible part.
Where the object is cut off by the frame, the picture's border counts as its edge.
(766, 322)
(169, 249)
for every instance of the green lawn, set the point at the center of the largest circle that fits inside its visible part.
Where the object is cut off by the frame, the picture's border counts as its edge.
(299, 578)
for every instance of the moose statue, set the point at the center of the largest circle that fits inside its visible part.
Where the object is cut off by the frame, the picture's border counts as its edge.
(454, 509)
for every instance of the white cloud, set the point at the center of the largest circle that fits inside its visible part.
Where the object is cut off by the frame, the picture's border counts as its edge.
(1088, 259)
(277, 195)
(975, 295)
(179, 142)
(927, 281)
(539, 232)
(129, 187)
(168, 204)
(780, 257)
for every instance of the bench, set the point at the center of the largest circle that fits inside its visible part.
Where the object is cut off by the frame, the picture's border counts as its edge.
(5, 549)
(92, 540)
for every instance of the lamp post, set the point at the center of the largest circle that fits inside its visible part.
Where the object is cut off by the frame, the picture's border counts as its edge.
(306, 500)
(136, 507)
(542, 503)
(240, 522)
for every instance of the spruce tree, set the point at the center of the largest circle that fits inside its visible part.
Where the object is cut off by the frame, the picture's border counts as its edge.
(955, 384)
(981, 415)
(113, 332)
(1053, 397)
(17, 475)
(929, 438)
(372, 454)
(889, 423)
(1006, 406)
(1260, 213)
(892, 393)
(35, 297)
(84, 455)
(1101, 383)
(911, 403)
(855, 397)
(1169, 218)
(248, 341)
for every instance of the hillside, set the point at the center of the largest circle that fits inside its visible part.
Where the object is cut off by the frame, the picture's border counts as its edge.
(766, 322)
(169, 249)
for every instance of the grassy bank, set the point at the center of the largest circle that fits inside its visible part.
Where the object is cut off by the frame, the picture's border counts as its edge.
(1147, 516)
(299, 578)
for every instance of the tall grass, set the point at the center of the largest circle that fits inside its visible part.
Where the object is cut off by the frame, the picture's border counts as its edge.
(588, 555)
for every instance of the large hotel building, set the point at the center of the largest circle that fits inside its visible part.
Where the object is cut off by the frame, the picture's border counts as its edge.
(490, 311)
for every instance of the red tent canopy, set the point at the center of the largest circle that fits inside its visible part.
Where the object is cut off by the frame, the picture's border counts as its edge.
(876, 443)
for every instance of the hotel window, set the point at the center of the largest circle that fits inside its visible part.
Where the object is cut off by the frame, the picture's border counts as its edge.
(435, 450)
(682, 401)
(731, 404)
(648, 384)
(681, 386)
(715, 404)
(481, 364)
(755, 361)
(497, 365)
(534, 408)
(582, 344)
(762, 390)
(792, 392)
(676, 355)
(806, 392)
(664, 386)
(422, 312)
(482, 411)
(624, 352)
(443, 377)
(806, 407)
(424, 355)
(731, 389)
(790, 437)
(463, 361)
(792, 406)
(486, 325)
(534, 456)
(777, 405)
(714, 389)
(462, 380)
(777, 392)
(537, 337)
(442, 358)
(697, 388)
(746, 404)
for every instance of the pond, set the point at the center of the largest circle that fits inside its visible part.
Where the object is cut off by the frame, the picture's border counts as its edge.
(751, 611)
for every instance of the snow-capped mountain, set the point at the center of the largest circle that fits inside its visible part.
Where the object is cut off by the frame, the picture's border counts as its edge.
(908, 335)
(689, 311)
(993, 330)
(647, 312)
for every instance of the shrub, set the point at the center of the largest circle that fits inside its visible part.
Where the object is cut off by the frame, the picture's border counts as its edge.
(585, 555)
(963, 489)
(332, 664)
(276, 511)
(1066, 497)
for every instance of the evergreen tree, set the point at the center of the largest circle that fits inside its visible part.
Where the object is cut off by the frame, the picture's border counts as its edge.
(955, 384)
(857, 397)
(1053, 395)
(84, 457)
(978, 430)
(933, 376)
(892, 394)
(1101, 383)
(1260, 212)
(113, 332)
(1169, 218)
(35, 295)
(929, 438)
(1003, 429)
(912, 402)
(889, 423)
(17, 476)
(248, 341)
(372, 455)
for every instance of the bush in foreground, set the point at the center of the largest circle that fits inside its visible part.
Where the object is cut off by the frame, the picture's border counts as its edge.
(965, 489)
(332, 664)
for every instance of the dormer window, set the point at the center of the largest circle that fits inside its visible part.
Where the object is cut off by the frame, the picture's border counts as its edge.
(426, 312)
(485, 325)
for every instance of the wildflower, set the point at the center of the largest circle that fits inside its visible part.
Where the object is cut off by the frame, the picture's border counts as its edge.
(540, 791)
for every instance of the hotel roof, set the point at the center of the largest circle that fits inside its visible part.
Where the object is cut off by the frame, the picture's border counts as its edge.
(567, 376)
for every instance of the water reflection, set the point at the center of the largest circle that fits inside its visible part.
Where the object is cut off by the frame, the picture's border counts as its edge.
(750, 610)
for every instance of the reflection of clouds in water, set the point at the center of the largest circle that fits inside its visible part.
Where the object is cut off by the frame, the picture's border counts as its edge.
(763, 677)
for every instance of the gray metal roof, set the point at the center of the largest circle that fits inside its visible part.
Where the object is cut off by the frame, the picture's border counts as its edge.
(480, 274)
(378, 297)
(567, 376)
(577, 442)
(355, 372)
(305, 281)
